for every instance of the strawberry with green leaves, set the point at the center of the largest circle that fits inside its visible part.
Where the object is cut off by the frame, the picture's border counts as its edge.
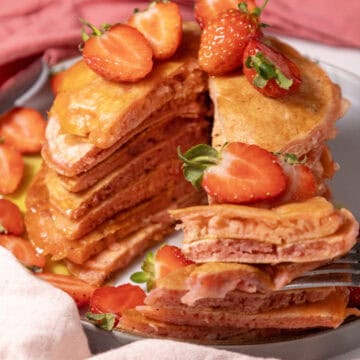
(117, 52)
(269, 71)
(225, 38)
(161, 24)
(239, 174)
(167, 259)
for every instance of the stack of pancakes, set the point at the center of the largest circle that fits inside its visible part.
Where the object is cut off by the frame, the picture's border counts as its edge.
(110, 169)
(245, 255)
(244, 258)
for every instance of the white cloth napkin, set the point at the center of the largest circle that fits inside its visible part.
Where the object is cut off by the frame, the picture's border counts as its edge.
(38, 321)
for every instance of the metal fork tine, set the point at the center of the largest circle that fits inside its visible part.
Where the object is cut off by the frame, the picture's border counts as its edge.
(333, 280)
(355, 249)
(338, 268)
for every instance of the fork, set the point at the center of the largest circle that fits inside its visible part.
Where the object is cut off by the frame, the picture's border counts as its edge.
(344, 271)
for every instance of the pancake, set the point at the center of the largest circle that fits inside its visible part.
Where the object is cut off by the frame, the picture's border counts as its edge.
(179, 132)
(328, 313)
(295, 123)
(43, 233)
(89, 122)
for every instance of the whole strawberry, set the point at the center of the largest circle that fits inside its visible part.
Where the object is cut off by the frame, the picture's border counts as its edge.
(224, 39)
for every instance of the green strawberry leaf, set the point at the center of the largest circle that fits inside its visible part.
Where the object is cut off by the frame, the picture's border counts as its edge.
(104, 321)
(147, 275)
(196, 160)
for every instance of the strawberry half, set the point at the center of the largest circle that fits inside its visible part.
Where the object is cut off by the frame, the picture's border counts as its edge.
(107, 303)
(301, 183)
(23, 129)
(117, 53)
(11, 220)
(161, 24)
(207, 10)
(79, 290)
(22, 250)
(167, 259)
(11, 169)
(269, 71)
(240, 173)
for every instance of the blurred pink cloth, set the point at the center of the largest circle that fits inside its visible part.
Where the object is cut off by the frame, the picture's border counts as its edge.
(31, 27)
(40, 322)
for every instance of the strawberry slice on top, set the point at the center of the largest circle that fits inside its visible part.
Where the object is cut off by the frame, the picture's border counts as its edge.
(269, 71)
(161, 24)
(117, 53)
(207, 10)
(239, 174)
(167, 259)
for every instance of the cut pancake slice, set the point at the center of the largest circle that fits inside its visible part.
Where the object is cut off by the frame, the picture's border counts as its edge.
(308, 231)
(229, 284)
(133, 166)
(134, 322)
(119, 254)
(329, 312)
(43, 233)
(163, 127)
(143, 188)
(110, 111)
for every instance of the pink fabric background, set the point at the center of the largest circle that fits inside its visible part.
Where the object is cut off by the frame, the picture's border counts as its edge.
(31, 27)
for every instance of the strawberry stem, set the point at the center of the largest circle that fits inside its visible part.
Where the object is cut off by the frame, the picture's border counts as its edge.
(258, 10)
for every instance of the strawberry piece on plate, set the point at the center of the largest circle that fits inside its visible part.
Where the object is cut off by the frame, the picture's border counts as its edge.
(11, 169)
(224, 39)
(24, 129)
(22, 250)
(11, 220)
(117, 53)
(207, 10)
(114, 300)
(79, 290)
(161, 24)
(167, 259)
(240, 173)
(269, 71)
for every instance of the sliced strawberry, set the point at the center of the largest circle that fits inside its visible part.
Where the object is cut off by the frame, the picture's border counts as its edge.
(118, 53)
(11, 220)
(167, 259)
(269, 71)
(301, 183)
(207, 10)
(79, 290)
(354, 299)
(161, 24)
(24, 129)
(22, 250)
(11, 169)
(114, 300)
(56, 81)
(224, 39)
(241, 173)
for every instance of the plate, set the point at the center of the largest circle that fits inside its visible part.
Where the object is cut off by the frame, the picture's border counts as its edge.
(345, 149)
